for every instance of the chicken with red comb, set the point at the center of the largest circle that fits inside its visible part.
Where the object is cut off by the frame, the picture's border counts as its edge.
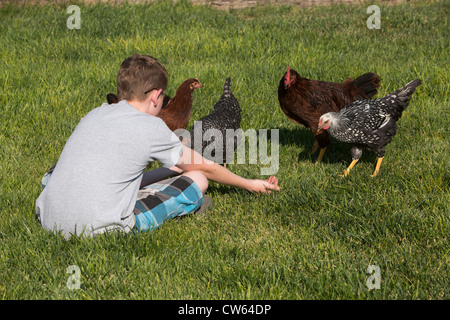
(304, 100)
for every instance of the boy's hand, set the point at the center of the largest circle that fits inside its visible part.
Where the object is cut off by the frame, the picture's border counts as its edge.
(263, 186)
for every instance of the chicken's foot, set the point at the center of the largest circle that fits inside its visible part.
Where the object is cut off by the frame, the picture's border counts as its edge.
(347, 171)
(377, 168)
(315, 147)
(322, 152)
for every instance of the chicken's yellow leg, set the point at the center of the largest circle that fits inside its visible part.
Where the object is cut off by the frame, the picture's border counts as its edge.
(315, 147)
(346, 172)
(322, 152)
(377, 168)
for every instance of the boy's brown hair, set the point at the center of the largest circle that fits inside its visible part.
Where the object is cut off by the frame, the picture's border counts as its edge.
(138, 75)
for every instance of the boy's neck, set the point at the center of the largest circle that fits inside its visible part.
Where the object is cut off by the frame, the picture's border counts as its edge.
(144, 106)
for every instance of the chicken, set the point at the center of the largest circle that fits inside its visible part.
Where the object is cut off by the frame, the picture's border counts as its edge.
(369, 123)
(112, 98)
(304, 100)
(175, 112)
(178, 110)
(209, 134)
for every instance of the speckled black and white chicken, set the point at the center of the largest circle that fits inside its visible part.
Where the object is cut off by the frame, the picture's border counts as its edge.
(209, 134)
(369, 124)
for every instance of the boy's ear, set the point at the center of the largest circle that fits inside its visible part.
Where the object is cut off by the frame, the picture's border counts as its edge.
(152, 97)
(154, 94)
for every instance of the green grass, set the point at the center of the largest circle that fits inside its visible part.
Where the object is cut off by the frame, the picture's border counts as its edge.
(312, 240)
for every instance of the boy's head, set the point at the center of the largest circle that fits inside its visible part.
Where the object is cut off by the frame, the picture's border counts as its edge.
(138, 75)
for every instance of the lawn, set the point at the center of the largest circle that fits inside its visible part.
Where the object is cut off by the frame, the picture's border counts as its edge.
(317, 236)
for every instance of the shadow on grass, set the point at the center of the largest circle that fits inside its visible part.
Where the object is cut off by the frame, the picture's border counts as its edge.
(218, 189)
(337, 152)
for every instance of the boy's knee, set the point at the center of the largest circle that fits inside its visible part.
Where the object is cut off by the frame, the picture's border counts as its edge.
(199, 178)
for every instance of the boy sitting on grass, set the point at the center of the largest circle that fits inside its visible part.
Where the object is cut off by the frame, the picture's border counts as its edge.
(100, 182)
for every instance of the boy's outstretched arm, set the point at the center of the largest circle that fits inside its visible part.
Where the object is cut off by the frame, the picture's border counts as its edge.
(192, 161)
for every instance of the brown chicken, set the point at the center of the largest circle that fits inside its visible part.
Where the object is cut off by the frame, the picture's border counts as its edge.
(178, 110)
(175, 112)
(304, 100)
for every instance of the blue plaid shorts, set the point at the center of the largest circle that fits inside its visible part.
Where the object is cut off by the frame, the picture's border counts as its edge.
(166, 199)
(161, 201)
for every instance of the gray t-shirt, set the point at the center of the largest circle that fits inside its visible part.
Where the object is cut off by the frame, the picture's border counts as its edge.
(95, 183)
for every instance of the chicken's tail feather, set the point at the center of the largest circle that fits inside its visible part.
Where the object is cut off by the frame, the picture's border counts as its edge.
(404, 94)
(398, 100)
(368, 84)
(227, 88)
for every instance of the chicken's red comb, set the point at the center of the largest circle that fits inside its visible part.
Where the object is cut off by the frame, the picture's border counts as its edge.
(288, 75)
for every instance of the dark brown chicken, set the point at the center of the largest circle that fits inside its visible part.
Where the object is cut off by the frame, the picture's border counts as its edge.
(304, 100)
(175, 112)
